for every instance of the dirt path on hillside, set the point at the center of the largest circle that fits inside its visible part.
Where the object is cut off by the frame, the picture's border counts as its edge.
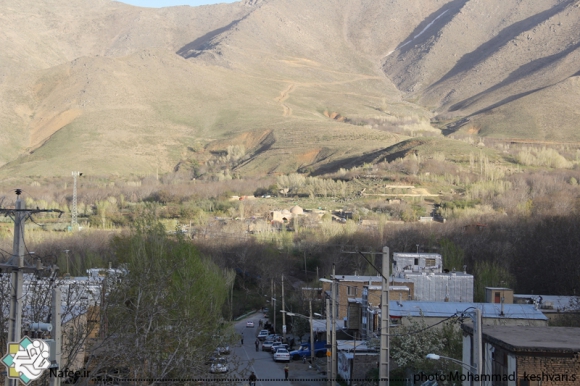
(415, 192)
(286, 111)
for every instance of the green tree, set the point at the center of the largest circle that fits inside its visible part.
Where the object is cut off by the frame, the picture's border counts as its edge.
(164, 316)
(489, 274)
(453, 256)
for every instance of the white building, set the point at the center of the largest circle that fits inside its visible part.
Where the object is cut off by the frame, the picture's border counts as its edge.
(431, 282)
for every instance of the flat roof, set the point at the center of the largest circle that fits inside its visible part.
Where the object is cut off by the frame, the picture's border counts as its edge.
(498, 288)
(532, 338)
(446, 309)
(391, 287)
(422, 273)
(366, 279)
(412, 254)
(374, 278)
(559, 303)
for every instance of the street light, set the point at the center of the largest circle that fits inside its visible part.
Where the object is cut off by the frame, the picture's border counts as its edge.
(436, 357)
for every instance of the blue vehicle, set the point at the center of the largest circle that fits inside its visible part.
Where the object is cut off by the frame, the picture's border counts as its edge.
(304, 350)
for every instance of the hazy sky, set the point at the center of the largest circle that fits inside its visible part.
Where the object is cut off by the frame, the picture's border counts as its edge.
(169, 3)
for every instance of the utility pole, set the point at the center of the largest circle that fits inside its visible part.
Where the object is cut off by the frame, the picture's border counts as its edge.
(16, 266)
(74, 223)
(67, 274)
(15, 321)
(283, 313)
(311, 335)
(328, 341)
(478, 346)
(334, 312)
(385, 321)
(353, 359)
(272, 299)
(56, 331)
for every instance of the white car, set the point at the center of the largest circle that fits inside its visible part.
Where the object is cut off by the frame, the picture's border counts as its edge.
(219, 366)
(223, 350)
(250, 324)
(263, 334)
(282, 355)
(275, 346)
(267, 345)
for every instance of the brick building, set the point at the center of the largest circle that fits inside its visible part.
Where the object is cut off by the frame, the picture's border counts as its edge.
(534, 356)
(350, 287)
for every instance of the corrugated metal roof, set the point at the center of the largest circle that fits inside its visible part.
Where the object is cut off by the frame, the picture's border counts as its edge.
(446, 309)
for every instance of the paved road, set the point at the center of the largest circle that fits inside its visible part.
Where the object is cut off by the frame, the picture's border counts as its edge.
(271, 373)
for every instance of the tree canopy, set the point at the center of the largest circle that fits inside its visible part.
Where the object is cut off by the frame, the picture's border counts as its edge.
(166, 312)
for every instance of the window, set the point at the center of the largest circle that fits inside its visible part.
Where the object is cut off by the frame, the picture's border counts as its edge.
(497, 298)
(351, 291)
(429, 262)
(416, 261)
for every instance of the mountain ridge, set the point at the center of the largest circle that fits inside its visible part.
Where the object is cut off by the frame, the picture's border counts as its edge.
(328, 80)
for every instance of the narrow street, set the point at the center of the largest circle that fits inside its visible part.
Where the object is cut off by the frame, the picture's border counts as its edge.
(271, 373)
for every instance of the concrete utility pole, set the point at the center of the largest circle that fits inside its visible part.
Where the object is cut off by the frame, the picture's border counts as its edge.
(56, 331)
(283, 313)
(334, 313)
(15, 321)
(17, 267)
(311, 335)
(273, 300)
(384, 357)
(328, 341)
(478, 346)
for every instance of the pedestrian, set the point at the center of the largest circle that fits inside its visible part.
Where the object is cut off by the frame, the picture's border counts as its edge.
(286, 370)
(253, 379)
(257, 344)
(242, 338)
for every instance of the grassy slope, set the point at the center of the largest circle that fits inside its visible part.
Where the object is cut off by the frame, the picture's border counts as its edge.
(139, 108)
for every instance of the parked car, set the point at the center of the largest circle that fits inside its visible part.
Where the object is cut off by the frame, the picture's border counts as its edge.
(304, 350)
(250, 324)
(223, 350)
(282, 355)
(267, 345)
(275, 349)
(212, 359)
(219, 366)
(275, 345)
(263, 334)
(281, 345)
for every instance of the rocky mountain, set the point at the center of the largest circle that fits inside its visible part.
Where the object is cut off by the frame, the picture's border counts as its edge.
(294, 84)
